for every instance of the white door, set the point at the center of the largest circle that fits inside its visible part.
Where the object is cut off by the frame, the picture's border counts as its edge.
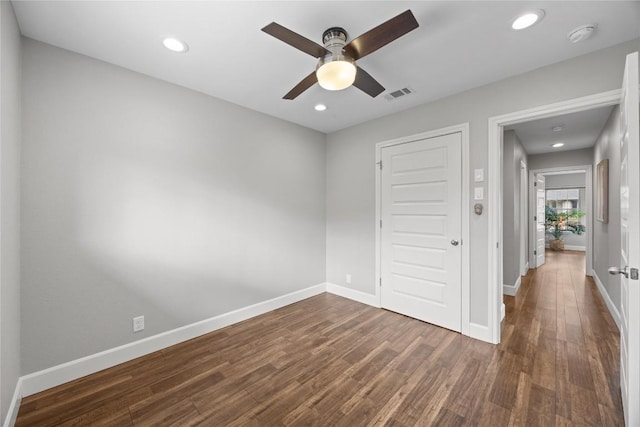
(421, 211)
(540, 218)
(630, 250)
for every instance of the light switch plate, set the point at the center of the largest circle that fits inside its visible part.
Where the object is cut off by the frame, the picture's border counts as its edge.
(478, 193)
(478, 175)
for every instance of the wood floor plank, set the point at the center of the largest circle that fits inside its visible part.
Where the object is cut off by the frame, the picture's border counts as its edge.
(331, 361)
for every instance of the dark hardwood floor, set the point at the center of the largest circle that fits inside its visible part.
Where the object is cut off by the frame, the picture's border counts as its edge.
(331, 361)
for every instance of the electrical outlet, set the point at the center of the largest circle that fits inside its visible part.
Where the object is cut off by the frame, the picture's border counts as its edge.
(348, 279)
(138, 324)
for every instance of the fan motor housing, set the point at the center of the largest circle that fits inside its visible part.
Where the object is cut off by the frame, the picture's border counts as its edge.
(335, 35)
(334, 40)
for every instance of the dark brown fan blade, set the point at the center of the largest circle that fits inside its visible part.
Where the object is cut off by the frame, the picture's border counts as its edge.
(367, 84)
(381, 35)
(296, 40)
(305, 84)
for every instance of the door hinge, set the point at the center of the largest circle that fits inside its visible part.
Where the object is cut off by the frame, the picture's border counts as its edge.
(379, 164)
(535, 252)
(535, 218)
(633, 273)
(535, 184)
(497, 244)
(380, 223)
(381, 282)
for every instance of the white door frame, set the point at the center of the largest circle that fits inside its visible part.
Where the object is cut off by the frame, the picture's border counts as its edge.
(588, 210)
(524, 219)
(494, 193)
(535, 199)
(463, 129)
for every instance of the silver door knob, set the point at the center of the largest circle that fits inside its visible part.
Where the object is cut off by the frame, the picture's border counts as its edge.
(615, 270)
(454, 242)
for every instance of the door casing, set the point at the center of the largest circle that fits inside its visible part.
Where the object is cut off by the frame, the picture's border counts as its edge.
(494, 191)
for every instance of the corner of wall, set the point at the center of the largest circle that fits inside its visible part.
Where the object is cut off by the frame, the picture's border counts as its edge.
(10, 147)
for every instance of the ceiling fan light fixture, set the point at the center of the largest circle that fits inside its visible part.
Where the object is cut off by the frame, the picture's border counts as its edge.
(336, 74)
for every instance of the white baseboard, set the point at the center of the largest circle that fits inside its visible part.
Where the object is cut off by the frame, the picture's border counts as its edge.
(526, 269)
(56, 375)
(512, 289)
(607, 300)
(12, 413)
(570, 248)
(480, 332)
(353, 294)
(503, 311)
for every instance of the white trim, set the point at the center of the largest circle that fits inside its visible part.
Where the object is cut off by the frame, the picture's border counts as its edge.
(463, 129)
(353, 294)
(533, 226)
(570, 248)
(503, 312)
(479, 332)
(615, 314)
(494, 192)
(60, 374)
(526, 269)
(512, 290)
(14, 406)
(523, 242)
(576, 248)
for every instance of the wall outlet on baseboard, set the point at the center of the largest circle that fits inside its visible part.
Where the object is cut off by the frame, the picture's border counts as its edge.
(138, 324)
(348, 279)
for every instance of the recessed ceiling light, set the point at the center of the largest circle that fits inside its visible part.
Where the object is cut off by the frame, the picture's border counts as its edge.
(320, 107)
(175, 45)
(527, 19)
(558, 145)
(557, 128)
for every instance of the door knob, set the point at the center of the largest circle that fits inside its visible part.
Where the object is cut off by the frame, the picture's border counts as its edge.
(454, 242)
(615, 270)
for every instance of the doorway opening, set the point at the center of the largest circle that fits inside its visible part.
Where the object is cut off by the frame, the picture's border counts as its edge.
(568, 212)
(497, 196)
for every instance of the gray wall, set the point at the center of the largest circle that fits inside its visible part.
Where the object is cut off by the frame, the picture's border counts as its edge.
(145, 198)
(10, 69)
(562, 159)
(513, 153)
(571, 180)
(606, 237)
(351, 158)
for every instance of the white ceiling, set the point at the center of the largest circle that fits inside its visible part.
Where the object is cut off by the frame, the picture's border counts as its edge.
(579, 130)
(458, 46)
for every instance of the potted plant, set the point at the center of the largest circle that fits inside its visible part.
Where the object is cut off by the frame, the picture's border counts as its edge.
(557, 223)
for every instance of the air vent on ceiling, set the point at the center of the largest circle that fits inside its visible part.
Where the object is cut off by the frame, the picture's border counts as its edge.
(399, 93)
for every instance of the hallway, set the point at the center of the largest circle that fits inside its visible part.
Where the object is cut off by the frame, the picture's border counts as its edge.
(565, 346)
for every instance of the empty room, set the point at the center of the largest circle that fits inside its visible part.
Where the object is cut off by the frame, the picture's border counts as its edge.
(224, 213)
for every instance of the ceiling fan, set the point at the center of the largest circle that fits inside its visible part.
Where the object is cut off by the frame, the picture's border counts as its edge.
(337, 67)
